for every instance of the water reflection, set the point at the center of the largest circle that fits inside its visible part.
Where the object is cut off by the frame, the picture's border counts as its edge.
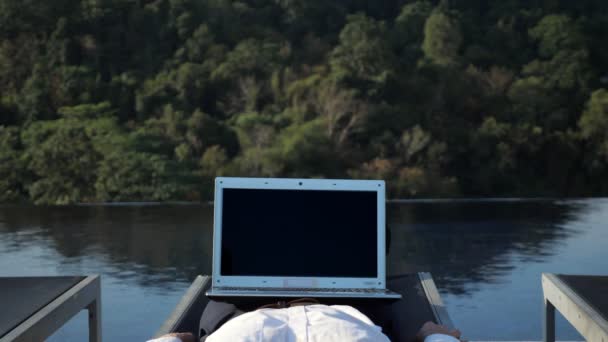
(150, 245)
(464, 243)
(459, 242)
(148, 254)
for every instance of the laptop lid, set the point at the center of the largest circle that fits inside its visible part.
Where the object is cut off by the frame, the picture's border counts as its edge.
(299, 233)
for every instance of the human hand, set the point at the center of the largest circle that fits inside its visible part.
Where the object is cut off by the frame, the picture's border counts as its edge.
(430, 328)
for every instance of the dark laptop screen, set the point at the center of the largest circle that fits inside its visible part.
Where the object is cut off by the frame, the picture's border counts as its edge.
(295, 233)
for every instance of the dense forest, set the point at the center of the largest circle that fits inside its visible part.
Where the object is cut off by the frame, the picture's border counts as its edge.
(129, 100)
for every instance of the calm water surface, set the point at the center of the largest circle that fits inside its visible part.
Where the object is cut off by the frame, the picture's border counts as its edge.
(486, 257)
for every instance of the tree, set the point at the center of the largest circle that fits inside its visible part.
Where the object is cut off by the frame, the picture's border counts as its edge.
(340, 110)
(594, 121)
(442, 38)
(408, 32)
(199, 47)
(182, 87)
(12, 171)
(562, 68)
(62, 172)
(306, 16)
(35, 103)
(213, 160)
(307, 151)
(363, 52)
(87, 111)
(203, 131)
(133, 176)
(563, 53)
(104, 100)
(555, 33)
(250, 57)
(593, 126)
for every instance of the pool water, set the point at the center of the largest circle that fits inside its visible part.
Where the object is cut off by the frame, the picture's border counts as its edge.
(486, 257)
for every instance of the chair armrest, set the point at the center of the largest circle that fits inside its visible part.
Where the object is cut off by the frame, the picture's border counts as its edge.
(188, 302)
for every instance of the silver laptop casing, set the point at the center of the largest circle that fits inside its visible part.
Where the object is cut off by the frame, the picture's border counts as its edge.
(277, 286)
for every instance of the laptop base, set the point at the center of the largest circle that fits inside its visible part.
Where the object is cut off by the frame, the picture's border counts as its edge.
(302, 293)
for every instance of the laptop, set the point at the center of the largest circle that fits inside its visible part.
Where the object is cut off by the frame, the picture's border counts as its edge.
(299, 238)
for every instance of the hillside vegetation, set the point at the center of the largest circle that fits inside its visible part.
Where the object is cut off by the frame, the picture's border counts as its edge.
(128, 100)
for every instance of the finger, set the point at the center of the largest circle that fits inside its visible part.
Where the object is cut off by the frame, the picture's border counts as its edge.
(456, 333)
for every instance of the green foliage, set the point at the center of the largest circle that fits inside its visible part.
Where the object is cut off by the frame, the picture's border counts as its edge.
(408, 32)
(249, 57)
(62, 160)
(594, 121)
(35, 101)
(113, 100)
(442, 38)
(11, 166)
(306, 150)
(363, 52)
(199, 47)
(553, 87)
(213, 160)
(562, 47)
(87, 111)
(183, 86)
(203, 131)
(134, 176)
(555, 33)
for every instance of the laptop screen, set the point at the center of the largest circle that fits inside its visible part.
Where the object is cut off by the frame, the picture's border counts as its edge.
(299, 233)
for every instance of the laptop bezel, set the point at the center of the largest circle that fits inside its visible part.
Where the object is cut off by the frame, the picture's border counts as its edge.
(378, 186)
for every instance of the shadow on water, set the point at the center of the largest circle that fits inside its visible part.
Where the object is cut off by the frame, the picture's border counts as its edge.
(464, 244)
